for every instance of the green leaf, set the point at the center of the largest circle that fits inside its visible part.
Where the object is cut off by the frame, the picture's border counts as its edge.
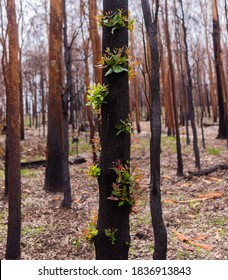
(118, 69)
(110, 71)
(121, 203)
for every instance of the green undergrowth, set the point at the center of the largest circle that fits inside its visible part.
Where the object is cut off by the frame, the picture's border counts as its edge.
(168, 143)
(28, 173)
(214, 151)
(2, 174)
(32, 231)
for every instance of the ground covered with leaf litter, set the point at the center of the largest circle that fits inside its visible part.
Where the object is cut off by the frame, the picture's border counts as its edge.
(195, 208)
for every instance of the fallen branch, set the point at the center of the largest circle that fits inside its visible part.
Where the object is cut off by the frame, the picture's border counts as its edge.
(209, 170)
(198, 199)
(38, 163)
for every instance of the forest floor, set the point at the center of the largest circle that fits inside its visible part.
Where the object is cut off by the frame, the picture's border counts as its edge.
(195, 208)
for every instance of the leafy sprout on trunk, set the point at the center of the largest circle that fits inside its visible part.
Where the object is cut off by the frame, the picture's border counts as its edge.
(110, 233)
(118, 61)
(91, 232)
(127, 187)
(124, 127)
(115, 20)
(94, 171)
(96, 95)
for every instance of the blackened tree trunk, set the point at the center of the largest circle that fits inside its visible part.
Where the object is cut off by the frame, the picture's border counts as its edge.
(221, 87)
(113, 148)
(171, 67)
(65, 100)
(13, 250)
(54, 174)
(190, 97)
(160, 234)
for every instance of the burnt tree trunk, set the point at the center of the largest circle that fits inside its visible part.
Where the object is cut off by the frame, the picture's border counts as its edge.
(189, 89)
(160, 234)
(53, 172)
(221, 87)
(65, 101)
(113, 148)
(173, 86)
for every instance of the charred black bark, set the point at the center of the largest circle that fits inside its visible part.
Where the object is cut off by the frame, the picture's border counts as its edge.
(190, 97)
(65, 100)
(160, 234)
(222, 133)
(113, 148)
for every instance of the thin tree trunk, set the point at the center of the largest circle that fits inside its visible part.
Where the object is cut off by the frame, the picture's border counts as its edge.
(65, 101)
(21, 97)
(160, 234)
(42, 100)
(190, 97)
(173, 86)
(221, 87)
(136, 92)
(184, 92)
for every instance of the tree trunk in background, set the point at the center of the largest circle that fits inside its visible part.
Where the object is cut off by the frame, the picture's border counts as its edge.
(190, 97)
(179, 81)
(214, 103)
(226, 14)
(166, 85)
(21, 96)
(96, 47)
(173, 87)
(71, 90)
(95, 40)
(160, 234)
(113, 147)
(13, 250)
(65, 100)
(221, 87)
(137, 112)
(136, 91)
(4, 62)
(42, 100)
(184, 89)
(53, 174)
(89, 112)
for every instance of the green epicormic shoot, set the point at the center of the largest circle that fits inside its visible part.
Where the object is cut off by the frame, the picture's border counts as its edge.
(127, 188)
(111, 235)
(94, 171)
(96, 95)
(115, 20)
(118, 61)
(124, 127)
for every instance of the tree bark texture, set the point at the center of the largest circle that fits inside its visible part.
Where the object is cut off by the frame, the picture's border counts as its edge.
(160, 234)
(173, 87)
(113, 148)
(221, 87)
(65, 102)
(189, 89)
(13, 250)
(53, 174)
